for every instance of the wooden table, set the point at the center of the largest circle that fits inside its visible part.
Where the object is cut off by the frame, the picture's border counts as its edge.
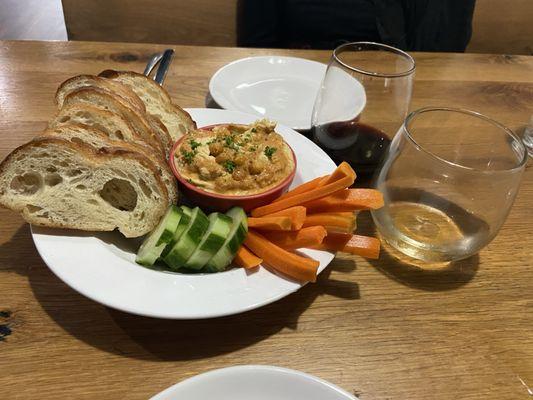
(382, 330)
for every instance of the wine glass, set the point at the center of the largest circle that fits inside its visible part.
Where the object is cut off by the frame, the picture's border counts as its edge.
(363, 100)
(449, 180)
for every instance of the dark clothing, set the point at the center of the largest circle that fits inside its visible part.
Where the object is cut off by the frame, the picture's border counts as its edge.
(415, 25)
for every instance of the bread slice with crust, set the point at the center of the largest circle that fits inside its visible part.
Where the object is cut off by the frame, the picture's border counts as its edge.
(112, 124)
(77, 133)
(162, 132)
(80, 81)
(157, 101)
(109, 102)
(122, 93)
(56, 183)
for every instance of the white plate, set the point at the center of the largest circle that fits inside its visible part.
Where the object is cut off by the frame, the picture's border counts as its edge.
(101, 265)
(281, 88)
(254, 382)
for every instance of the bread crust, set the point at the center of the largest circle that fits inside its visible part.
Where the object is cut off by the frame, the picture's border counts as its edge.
(94, 157)
(138, 121)
(161, 166)
(120, 90)
(184, 116)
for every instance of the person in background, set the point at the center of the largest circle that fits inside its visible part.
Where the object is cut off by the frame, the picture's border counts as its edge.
(413, 25)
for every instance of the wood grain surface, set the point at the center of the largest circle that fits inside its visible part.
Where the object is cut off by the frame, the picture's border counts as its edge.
(380, 329)
(502, 27)
(198, 22)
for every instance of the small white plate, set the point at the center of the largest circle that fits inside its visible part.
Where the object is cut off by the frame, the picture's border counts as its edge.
(254, 382)
(281, 88)
(101, 266)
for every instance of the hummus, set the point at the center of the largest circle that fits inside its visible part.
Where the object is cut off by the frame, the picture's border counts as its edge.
(235, 160)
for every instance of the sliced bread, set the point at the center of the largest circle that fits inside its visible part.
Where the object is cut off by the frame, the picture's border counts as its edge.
(107, 101)
(77, 133)
(157, 101)
(54, 182)
(122, 93)
(112, 124)
(81, 81)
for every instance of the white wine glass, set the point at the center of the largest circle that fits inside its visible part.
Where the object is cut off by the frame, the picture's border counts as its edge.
(449, 181)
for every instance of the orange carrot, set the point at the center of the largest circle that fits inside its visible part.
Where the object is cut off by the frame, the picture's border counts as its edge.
(340, 171)
(354, 244)
(347, 200)
(304, 187)
(346, 178)
(271, 223)
(343, 222)
(295, 266)
(306, 237)
(318, 182)
(297, 215)
(246, 259)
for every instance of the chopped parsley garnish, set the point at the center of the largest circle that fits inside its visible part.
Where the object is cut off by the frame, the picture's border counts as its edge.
(188, 156)
(229, 166)
(229, 140)
(253, 148)
(194, 144)
(269, 151)
(253, 130)
(230, 143)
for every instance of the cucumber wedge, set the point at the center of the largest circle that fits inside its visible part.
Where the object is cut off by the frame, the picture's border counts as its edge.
(184, 221)
(236, 236)
(215, 236)
(188, 241)
(159, 238)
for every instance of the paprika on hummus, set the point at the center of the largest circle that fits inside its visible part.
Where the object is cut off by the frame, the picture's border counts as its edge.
(237, 160)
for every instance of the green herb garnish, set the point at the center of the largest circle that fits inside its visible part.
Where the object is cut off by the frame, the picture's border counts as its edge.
(269, 151)
(230, 143)
(229, 140)
(229, 166)
(253, 130)
(194, 144)
(188, 156)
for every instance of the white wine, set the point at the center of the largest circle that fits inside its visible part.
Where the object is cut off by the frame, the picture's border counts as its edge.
(427, 233)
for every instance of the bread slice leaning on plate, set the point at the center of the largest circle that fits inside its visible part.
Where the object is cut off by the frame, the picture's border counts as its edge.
(157, 101)
(123, 95)
(77, 82)
(54, 182)
(98, 140)
(112, 124)
(104, 100)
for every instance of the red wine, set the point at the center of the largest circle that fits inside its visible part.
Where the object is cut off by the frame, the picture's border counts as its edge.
(359, 144)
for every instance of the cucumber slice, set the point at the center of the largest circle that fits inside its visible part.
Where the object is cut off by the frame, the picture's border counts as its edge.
(188, 241)
(154, 244)
(184, 221)
(215, 236)
(236, 236)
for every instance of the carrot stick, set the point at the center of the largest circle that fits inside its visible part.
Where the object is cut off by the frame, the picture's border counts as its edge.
(344, 222)
(246, 259)
(347, 200)
(306, 237)
(295, 266)
(318, 182)
(354, 244)
(344, 170)
(270, 223)
(339, 172)
(304, 187)
(296, 214)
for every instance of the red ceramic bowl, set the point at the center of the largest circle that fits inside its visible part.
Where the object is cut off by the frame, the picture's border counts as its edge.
(219, 202)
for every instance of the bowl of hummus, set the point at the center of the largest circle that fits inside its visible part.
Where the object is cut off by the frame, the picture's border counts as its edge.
(228, 165)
